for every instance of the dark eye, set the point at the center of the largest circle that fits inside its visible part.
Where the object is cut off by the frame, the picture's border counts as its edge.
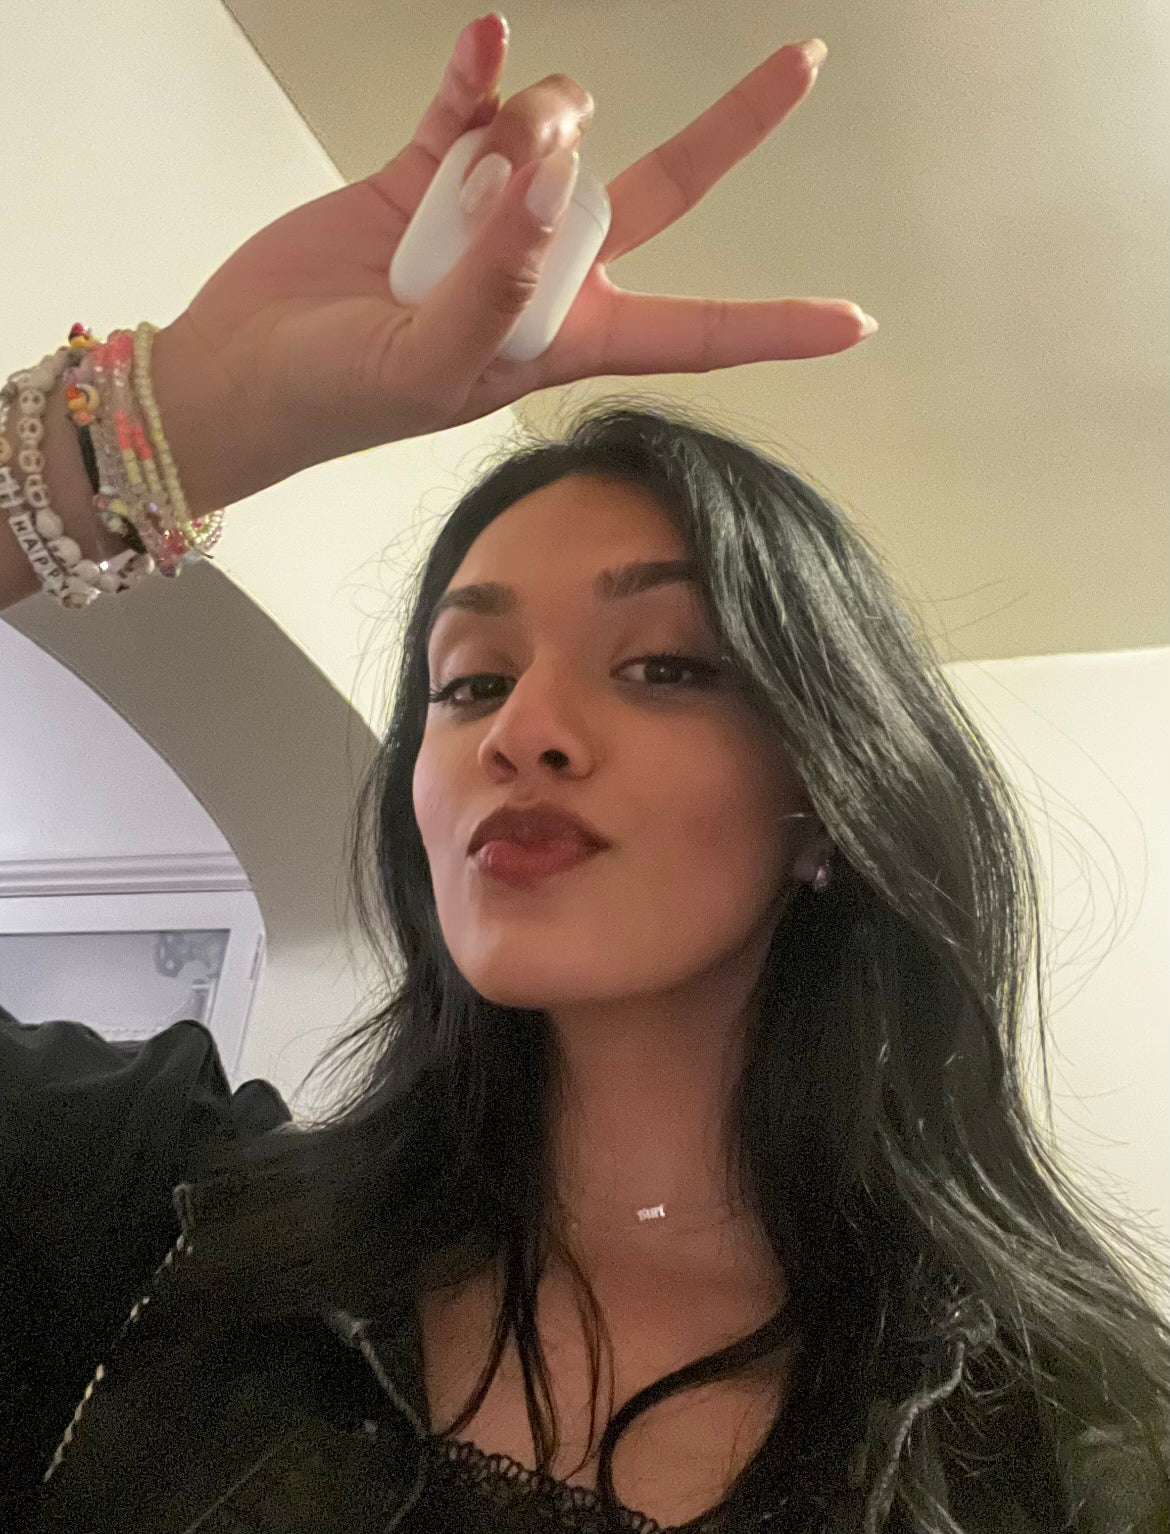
(673, 661)
(703, 674)
(445, 694)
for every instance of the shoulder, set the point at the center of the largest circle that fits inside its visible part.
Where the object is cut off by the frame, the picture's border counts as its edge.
(88, 1091)
(70, 1098)
(94, 1134)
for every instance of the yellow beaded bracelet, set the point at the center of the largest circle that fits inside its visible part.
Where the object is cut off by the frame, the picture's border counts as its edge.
(202, 532)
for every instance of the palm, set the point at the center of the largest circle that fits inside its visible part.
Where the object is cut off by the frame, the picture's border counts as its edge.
(301, 318)
(315, 282)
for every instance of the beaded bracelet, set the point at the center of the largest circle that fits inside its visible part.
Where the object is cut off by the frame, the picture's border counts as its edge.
(79, 342)
(57, 560)
(201, 532)
(131, 432)
(108, 391)
(104, 468)
(114, 501)
(157, 511)
(107, 475)
(82, 402)
(23, 526)
(149, 512)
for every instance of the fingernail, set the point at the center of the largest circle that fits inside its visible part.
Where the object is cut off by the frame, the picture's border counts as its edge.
(466, 53)
(487, 181)
(815, 52)
(868, 325)
(552, 186)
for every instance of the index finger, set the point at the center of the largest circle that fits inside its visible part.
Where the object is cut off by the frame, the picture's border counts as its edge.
(467, 98)
(666, 183)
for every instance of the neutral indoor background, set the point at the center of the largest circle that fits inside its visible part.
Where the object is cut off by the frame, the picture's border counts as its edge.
(989, 181)
(992, 182)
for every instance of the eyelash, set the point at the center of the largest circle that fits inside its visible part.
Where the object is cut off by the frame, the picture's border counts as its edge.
(706, 673)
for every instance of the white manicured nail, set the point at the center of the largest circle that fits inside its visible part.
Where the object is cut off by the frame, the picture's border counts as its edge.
(552, 186)
(487, 181)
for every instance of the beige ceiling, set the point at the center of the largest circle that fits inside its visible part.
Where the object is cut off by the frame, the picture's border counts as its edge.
(991, 181)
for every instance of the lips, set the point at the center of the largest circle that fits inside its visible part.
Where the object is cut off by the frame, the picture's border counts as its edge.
(523, 866)
(535, 824)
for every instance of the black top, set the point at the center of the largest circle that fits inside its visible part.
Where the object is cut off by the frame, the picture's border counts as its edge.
(299, 1426)
(116, 1417)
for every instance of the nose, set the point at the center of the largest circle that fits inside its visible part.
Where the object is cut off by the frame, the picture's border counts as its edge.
(538, 722)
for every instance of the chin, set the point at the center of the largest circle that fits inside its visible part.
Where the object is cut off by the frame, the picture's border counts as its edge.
(526, 995)
(530, 988)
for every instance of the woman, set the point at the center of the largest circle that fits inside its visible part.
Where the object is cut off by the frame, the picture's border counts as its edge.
(696, 1085)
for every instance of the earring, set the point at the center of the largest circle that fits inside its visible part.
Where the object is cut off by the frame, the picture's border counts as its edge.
(822, 877)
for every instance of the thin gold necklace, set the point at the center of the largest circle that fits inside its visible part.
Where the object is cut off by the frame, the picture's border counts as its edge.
(650, 1215)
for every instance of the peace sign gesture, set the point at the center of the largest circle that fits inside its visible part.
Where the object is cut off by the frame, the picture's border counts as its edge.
(298, 338)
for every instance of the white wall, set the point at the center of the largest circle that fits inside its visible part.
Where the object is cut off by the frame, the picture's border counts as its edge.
(1086, 741)
(76, 782)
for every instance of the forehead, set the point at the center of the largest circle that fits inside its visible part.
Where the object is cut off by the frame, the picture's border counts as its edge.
(573, 526)
(580, 539)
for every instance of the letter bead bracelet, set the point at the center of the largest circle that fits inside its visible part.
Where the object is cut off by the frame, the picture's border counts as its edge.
(137, 495)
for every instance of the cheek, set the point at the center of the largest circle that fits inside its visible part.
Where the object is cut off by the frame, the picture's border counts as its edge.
(433, 800)
(717, 809)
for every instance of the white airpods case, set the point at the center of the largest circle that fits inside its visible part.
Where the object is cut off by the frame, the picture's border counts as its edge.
(440, 232)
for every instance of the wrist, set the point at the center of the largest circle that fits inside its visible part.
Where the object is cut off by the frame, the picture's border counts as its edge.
(196, 421)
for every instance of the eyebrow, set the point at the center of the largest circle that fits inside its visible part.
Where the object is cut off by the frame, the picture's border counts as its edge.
(494, 600)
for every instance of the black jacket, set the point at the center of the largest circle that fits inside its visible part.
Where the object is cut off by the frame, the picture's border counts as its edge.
(311, 1427)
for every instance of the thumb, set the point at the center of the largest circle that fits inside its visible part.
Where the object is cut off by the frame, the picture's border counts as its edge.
(467, 317)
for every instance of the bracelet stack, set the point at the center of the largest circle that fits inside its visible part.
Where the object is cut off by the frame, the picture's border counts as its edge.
(137, 495)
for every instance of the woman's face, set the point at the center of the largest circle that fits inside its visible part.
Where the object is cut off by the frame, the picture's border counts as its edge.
(680, 778)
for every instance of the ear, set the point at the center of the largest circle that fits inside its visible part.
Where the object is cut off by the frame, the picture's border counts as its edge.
(817, 849)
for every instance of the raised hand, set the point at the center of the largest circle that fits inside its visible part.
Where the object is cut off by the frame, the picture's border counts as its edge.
(298, 341)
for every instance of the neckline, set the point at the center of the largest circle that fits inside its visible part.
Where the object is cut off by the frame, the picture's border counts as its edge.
(466, 1458)
(476, 1467)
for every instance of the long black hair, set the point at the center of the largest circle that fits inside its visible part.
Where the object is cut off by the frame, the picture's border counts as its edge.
(880, 1115)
